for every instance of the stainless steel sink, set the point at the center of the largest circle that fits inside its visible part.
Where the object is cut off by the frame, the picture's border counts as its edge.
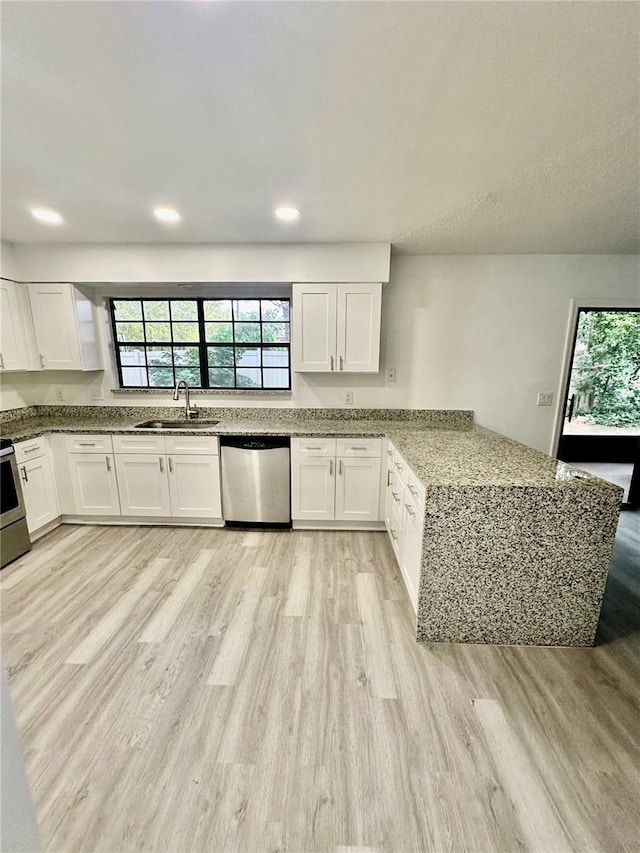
(176, 425)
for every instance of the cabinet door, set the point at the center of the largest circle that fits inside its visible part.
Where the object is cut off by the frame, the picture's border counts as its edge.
(55, 326)
(313, 332)
(40, 493)
(13, 349)
(312, 489)
(94, 485)
(357, 489)
(413, 526)
(358, 327)
(194, 486)
(143, 484)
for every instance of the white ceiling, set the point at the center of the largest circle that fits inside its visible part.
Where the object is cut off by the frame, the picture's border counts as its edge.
(442, 127)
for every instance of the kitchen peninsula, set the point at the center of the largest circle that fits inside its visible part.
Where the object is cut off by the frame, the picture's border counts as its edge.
(516, 546)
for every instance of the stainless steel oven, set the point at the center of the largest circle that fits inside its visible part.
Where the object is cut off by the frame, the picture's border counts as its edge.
(14, 536)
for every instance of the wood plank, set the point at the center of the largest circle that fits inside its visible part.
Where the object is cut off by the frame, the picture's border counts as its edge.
(158, 628)
(114, 618)
(228, 662)
(376, 642)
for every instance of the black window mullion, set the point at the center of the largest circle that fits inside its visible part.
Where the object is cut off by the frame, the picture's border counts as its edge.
(202, 346)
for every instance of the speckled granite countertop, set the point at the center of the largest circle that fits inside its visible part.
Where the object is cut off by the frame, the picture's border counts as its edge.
(442, 448)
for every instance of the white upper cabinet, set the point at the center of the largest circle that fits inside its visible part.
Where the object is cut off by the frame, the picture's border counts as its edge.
(336, 328)
(15, 334)
(358, 331)
(65, 328)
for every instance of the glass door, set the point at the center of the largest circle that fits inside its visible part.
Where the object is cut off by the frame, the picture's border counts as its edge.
(601, 427)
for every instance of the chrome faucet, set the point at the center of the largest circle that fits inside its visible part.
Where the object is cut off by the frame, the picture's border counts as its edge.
(190, 412)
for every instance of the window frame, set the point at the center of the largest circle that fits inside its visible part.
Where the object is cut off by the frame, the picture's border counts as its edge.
(201, 344)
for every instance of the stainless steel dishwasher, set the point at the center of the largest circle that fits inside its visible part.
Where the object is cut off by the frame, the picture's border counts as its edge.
(256, 480)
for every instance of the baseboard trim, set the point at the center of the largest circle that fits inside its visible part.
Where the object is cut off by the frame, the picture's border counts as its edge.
(46, 528)
(142, 521)
(338, 525)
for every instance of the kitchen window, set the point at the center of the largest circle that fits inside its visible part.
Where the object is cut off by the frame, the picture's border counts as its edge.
(210, 343)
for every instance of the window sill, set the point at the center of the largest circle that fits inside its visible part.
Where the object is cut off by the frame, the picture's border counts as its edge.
(208, 392)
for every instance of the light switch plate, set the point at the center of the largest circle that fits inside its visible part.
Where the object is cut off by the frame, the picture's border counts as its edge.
(96, 394)
(391, 374)
(348, 398)
(59, 392)
(545, 398)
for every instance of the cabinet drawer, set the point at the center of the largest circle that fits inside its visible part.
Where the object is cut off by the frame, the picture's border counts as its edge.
(139, 444)
(313, 447)
(89, 444)
(400, 468)
(414, 492)
(31, 449)
(396, 531)
(367, 447)
(194, 445)
(397, 494)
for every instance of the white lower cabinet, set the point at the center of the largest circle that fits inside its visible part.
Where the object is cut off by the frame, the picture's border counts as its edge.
(194, 486)
(94, 484)
(143, 484)
(169, 477)
(335, 480)
(357, 489)
(404, 520)
(38, 483)
(413, 529)
(313, 490)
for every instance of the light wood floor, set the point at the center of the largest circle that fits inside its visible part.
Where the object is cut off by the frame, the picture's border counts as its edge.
(203, 690)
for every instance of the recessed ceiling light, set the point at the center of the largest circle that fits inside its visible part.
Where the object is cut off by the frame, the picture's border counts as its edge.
(167, 214)
(49, 217)
(287, 214)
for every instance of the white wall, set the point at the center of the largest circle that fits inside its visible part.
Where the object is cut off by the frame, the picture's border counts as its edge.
(204, 263)
(485, 332)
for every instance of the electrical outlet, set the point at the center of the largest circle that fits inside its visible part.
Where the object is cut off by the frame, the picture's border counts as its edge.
(348, 398)
(96, 394)
(60, 395)
(391, 374)
(545, 398)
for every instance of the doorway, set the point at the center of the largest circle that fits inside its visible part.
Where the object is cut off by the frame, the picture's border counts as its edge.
(601, 422)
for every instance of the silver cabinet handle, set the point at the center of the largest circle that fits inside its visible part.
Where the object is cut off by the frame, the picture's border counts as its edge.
(331, 467)
(414, 493)
(24, 473)
(31, 449)
(340, 469)
(1, 361)
(396, 497)
(389, 452)
(389, 475)
(358, 448)
(108, 463)
(41, 359)
(410, 510)
(307, 447)
(170, 460)
(161, 461)
(341, 363)
(398, 467)
(86, 444)
(394, 535)
(332, 362)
